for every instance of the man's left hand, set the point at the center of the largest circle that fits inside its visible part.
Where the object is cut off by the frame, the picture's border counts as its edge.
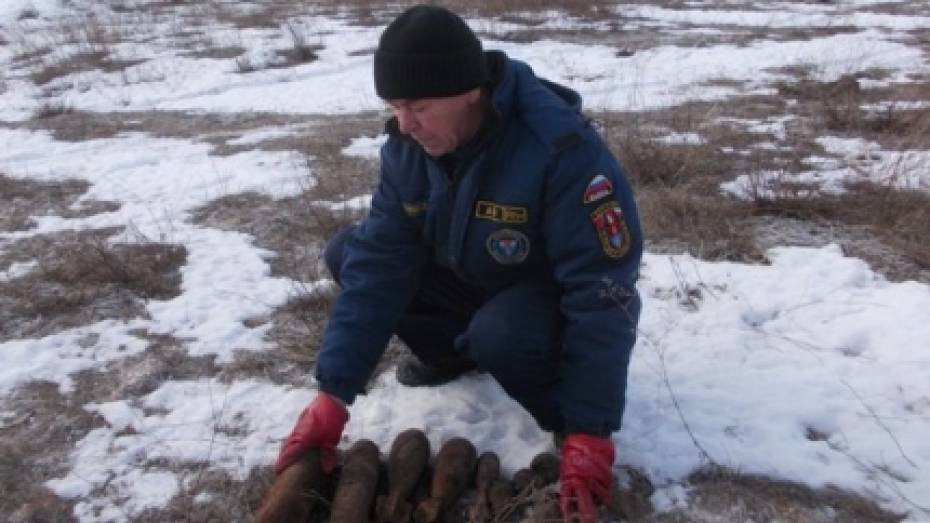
(586, 476)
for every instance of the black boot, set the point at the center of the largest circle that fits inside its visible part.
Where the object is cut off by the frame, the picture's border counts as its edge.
(414, 373)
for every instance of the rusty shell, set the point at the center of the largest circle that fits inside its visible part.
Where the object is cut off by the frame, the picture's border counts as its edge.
(357, 484)
(294, 492)
(407, 462)
(455, 465)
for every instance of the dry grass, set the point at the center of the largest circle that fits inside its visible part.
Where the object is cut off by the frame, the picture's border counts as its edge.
(23, 199)
(215, 128)
(81, 43)
(84, 61)
(34, 448)
(45, 425)
(721, 495)
(52, 109)
(218, 53)
(80, 278)
(900, 218)
(165, 359)
(211, 497)
(677, 184)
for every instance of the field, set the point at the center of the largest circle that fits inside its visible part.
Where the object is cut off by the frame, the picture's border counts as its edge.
(172, 169)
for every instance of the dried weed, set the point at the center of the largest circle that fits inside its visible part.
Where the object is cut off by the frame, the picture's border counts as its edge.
(34, 447)
(211, 496)
(81, 278)
(732, 496)
(23, 199)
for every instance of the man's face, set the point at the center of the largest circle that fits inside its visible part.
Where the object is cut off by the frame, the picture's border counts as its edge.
(439, 125)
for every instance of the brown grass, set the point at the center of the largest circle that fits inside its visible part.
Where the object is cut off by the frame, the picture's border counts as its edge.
(164, 359)
(677, 184)
(85, 61)
(900, 218)
(21, 199)
(52, 109)
(732, 496)
(81, 278)
(226, 498)
(219, 53)
(34, 448)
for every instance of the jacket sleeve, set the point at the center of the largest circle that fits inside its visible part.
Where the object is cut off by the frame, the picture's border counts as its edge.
(378, 276)
(594, 241)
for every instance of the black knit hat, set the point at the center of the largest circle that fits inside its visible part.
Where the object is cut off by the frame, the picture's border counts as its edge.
(428, 52)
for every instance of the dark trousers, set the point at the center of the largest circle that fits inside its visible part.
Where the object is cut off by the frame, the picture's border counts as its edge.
(512, 335)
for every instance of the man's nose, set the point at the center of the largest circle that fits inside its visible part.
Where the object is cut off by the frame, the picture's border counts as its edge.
(406, 121)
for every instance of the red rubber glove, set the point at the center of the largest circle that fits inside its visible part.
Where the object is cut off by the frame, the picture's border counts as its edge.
(318, 427)
(586, 476)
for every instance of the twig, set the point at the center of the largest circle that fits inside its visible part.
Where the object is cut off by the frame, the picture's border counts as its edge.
(880, 423)
(681, 415)
(878, 478)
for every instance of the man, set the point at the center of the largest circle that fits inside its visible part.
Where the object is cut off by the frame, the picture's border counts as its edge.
(502, 235)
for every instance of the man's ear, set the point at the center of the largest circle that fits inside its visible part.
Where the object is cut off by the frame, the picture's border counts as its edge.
(473, 96)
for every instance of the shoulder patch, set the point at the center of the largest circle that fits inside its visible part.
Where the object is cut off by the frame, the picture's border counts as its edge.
(612, 229)
(565, 141)
(598, 188)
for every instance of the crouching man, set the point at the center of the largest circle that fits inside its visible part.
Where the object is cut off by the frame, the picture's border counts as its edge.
(499, 220)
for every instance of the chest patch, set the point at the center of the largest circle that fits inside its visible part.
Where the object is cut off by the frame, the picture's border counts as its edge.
(508, 246)
(612, 229)
(598, 188)
(501, 213)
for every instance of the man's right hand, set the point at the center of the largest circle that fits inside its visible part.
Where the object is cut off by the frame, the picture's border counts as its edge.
(319, 426)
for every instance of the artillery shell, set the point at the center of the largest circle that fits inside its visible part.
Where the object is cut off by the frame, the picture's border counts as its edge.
(545, 468)
(294, 493)
(407, 461)
(455, 465)
(489, 470)
(522, 479)
(357, 483)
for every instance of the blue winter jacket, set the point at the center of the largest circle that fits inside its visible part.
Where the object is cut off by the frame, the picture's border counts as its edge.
(542, 199)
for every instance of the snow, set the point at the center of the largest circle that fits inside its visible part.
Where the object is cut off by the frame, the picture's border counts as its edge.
(776, 16)
(765, 356)
(366, 147)
(768, 352)
(852, 160)
(682, 139)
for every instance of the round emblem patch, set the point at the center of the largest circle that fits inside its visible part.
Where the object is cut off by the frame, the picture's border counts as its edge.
(508, 246)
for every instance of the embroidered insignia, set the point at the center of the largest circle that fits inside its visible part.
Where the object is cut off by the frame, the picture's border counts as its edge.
(598, 188)
(414, 209)
(612, 229)
(508, 247)
(501, 213)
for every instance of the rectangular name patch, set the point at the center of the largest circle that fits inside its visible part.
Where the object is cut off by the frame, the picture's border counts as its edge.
(501, 213)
